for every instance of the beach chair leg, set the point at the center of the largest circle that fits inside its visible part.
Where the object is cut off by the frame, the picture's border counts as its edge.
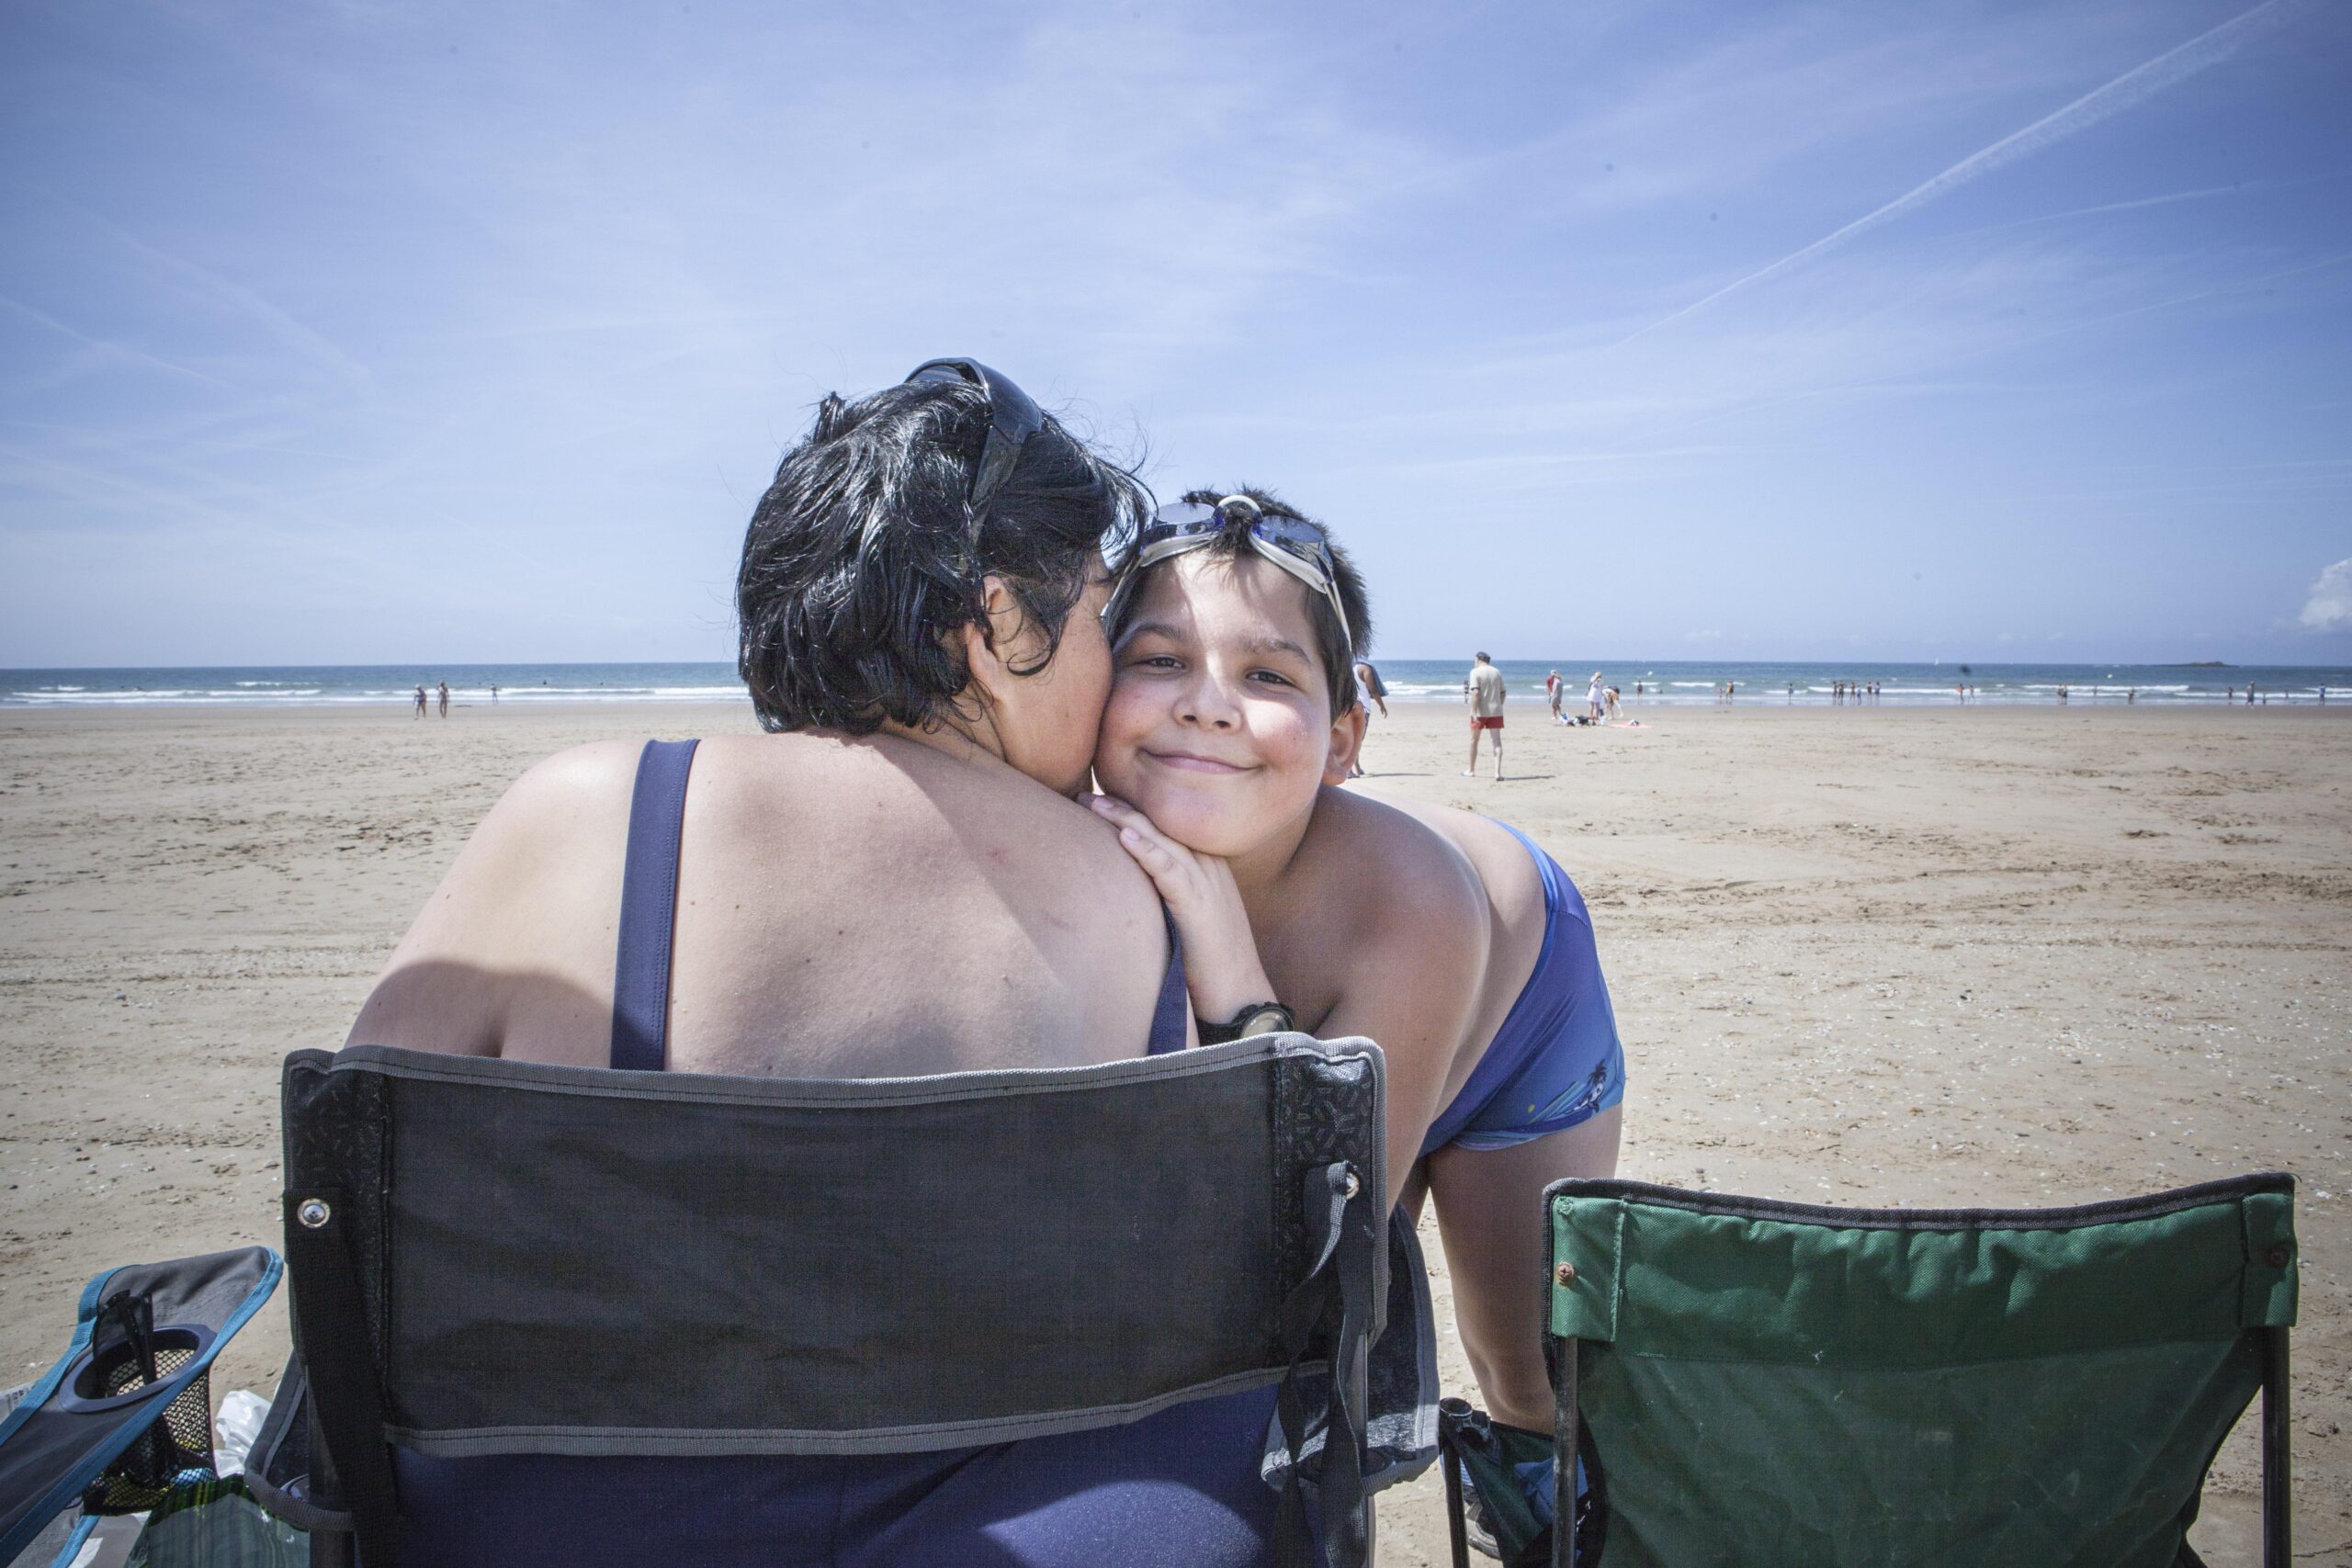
(1564, 1445)
(1450, 1414)
(2277, 1488)
(329, 1549)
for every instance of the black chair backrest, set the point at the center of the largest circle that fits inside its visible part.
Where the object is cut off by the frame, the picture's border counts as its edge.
(503, 1257)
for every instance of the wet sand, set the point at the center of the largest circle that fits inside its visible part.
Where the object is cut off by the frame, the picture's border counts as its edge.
(1983, 956)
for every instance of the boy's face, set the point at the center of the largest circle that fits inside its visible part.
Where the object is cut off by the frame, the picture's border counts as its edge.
(1219, 727)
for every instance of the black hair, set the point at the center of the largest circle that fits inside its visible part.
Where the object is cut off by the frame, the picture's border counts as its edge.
(864, 558)
(1332, 646)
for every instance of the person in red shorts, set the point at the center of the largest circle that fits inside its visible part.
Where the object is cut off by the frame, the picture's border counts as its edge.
(1485, 690)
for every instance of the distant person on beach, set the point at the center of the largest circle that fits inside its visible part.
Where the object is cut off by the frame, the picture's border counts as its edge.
(1371, 692)
(918, 599)
(1553, 689)
(445, 699)
(419, 702)
(1432, 930)
(1487, 695)
(493, 693)
(1610, 698)
(1593, 698)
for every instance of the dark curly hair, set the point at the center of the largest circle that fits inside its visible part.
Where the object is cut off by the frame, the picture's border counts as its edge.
(862, 559)
(1331, 645)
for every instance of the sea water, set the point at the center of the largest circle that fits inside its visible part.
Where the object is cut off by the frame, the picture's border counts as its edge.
(1764, 683)
(1682, 682)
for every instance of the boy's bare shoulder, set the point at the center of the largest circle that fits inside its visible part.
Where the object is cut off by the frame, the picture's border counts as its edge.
(1413, 886)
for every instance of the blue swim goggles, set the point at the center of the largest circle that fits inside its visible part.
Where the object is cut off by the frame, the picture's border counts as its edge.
(1293, 544)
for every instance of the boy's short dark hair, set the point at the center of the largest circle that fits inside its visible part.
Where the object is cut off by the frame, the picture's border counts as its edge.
(1332, 646)
(862, 559)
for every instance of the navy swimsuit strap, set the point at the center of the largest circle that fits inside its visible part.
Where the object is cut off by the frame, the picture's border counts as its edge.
(1168, 1014)
(657, 814)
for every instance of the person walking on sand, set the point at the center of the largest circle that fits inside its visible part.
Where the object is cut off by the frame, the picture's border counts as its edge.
(1487, 695)
(419, 702)
(1370, 687)
(1592, 697)
(1371, 692)
(1553, 690)
(445, 699)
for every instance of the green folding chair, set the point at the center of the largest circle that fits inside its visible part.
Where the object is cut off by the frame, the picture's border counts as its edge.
(1758, 1382)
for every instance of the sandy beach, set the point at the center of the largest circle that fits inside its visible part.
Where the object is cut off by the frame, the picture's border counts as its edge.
(1865, 956)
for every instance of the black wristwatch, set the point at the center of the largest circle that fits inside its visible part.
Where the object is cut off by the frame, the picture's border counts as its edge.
(1258, 1018)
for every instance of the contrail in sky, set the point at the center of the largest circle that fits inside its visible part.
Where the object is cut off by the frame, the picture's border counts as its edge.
(2139, 83)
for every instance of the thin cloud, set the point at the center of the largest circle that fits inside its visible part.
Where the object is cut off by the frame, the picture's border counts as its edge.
(2328, 607)
(107, 349)
(2135, 86)
(225, 292)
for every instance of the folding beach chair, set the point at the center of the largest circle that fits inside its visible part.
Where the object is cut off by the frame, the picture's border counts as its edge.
(1758, 1382)
(506, 1257)
(125, 1416)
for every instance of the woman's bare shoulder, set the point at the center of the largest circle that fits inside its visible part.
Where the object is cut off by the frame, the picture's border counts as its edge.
(530, 904)
(553, 794)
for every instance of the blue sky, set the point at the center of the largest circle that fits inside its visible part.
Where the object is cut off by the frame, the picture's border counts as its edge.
(358, 332)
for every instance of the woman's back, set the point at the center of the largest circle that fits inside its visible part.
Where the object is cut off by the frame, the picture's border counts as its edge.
(846, 908)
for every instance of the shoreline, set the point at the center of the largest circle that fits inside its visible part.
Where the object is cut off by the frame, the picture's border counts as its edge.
(1522, 713)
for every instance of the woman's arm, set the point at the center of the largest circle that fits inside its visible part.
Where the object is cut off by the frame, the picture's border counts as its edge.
(1489, 1212)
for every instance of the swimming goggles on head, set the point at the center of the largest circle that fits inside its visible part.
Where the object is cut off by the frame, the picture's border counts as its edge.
(1297, 546)
(1013, 418)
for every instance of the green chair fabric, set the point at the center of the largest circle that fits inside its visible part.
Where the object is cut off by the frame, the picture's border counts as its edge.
(1770, 1382)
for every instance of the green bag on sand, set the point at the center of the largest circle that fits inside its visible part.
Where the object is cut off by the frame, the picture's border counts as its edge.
(1496, 1463)
(216, 1524)
(1507, 1484)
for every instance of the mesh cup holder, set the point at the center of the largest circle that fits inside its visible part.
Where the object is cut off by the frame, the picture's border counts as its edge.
(175, 1442)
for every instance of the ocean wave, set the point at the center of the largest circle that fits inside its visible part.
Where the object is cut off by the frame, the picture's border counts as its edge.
(317, 697)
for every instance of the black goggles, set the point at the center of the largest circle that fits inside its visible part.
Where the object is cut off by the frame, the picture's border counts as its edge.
(1013, 418)
(1298, 547)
